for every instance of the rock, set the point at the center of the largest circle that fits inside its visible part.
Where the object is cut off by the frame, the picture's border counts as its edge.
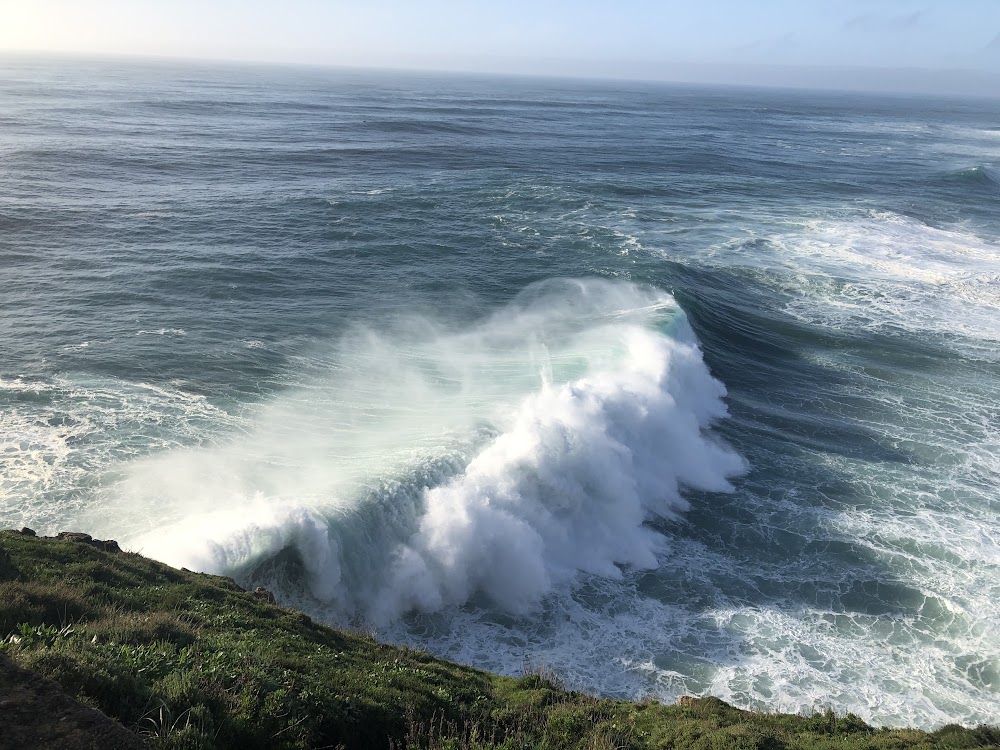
(262, 593)
(28, 532)
(109, 545)
(686, 700)
(74, 536)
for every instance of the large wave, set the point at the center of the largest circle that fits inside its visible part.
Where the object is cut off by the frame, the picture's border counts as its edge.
(431, 467)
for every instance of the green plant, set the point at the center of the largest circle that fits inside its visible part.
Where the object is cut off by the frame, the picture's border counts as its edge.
(31, 636)
(188, 730)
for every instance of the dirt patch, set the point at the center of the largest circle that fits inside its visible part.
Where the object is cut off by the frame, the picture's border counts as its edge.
(36, 713)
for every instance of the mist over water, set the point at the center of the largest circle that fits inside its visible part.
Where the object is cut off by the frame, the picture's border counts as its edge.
(669, 390)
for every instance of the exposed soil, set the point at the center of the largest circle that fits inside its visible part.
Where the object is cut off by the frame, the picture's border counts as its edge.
(36, 713)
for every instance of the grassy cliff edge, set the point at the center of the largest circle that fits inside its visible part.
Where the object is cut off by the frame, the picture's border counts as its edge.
(189, 660)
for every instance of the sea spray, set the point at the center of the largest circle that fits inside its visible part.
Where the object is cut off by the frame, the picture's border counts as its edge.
(434, 465)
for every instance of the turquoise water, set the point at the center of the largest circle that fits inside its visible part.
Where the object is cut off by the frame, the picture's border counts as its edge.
(668, 389)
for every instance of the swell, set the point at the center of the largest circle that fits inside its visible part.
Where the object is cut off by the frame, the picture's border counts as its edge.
(977, 183)
(982, 174)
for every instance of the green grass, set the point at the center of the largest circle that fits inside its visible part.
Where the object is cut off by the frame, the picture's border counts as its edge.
(189, 660)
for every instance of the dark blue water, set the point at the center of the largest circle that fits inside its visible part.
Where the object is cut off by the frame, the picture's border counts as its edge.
(669, 389)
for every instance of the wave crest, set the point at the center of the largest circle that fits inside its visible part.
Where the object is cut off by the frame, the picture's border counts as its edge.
(568, 487)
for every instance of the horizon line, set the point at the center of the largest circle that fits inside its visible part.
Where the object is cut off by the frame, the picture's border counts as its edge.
(608, 75)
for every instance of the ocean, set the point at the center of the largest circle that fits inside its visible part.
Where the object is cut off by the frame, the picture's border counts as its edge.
(665, 389)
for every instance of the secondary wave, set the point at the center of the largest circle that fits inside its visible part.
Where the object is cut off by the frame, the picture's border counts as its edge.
(880, 272)
(981, 175)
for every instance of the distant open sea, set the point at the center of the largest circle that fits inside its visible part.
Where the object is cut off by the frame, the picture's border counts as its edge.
(670, 390)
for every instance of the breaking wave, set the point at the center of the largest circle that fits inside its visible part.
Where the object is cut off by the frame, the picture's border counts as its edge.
(434, 467)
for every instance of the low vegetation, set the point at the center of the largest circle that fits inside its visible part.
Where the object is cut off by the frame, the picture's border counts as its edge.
(187, 660)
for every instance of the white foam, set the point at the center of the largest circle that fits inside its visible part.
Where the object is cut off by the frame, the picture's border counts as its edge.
(883, 271)
(58, 436)
(163, 332)
(33, 452)
(837, 660)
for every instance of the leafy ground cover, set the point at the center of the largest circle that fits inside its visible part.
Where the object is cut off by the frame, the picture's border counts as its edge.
(187, 660)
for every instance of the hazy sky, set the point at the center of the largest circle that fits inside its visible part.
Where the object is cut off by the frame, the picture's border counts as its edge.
(742, 41)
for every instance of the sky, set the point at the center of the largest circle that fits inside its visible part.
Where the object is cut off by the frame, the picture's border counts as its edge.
(929, 45)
